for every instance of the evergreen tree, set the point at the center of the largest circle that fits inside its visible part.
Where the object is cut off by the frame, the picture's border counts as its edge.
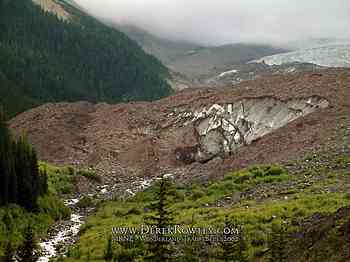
(228, 247)
(191, 252)
(242, 246)
(130, 251)
(6, 161)
(108, 253)
(21, 181)
(161, 217)
(13, 186)
(44, 59)
(233, 249)
(277, 243)
(43, 185)
(26, 178)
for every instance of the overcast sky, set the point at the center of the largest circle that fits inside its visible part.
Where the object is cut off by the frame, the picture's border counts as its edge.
(230, 21)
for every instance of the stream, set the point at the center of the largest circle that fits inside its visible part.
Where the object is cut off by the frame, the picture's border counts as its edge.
(64, 233)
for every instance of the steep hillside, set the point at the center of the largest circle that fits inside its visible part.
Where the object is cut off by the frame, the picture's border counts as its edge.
(194, 61)
(198, 132)
(202, 62)
(54, 7)
(70, 57)
(165, 50)
(272, 151)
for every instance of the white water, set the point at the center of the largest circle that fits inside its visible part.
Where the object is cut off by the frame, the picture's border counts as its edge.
(72, 229)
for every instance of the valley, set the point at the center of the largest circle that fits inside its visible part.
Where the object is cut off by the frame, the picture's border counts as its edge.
(112, 126)
(130, 145)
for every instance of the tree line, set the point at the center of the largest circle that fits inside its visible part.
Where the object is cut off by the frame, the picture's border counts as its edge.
(45, 59)
(21, 181)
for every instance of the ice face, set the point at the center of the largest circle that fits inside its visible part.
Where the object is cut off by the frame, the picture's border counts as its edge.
(330, 56)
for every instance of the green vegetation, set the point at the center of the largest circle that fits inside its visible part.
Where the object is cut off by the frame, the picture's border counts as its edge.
(14, 221)
(27, 208)
(62, 180)
(160, 216)
(21, 181)
(233, 250)
(89, 174)
(29, 250)
(85, 202)
(44, 59)
(278, 243)
(203, 205)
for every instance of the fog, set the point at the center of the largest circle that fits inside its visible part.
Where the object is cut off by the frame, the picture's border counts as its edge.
(216, 22)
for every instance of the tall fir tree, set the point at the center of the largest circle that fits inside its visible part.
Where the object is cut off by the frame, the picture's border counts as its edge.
(108, 253)
(277, 243)
(6, 161)
(162, 217)
(233, 249)
(228, 247)
(21, 181)
(191, 251)
(242, 245)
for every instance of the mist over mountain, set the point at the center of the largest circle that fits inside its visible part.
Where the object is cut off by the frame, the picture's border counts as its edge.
(221, 22)
(193, 60)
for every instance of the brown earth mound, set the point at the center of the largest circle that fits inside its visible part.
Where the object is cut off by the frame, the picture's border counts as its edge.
(143, 139)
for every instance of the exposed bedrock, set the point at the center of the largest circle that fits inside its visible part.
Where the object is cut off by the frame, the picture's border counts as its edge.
(223, 129)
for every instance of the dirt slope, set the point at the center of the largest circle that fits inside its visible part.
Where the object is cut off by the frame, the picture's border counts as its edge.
(142, 139)
(53, 7)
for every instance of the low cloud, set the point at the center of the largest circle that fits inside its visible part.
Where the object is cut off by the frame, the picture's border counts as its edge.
(230, 21)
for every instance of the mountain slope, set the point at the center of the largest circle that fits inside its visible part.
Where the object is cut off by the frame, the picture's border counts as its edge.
(283, 118)
(192, 60)
(46, 58)
(200, 136)
(203, 62)
(166, 51)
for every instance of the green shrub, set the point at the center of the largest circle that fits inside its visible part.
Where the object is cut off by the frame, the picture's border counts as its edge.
(222, 188)
(91, 175)
(85, 227)
(197, 193)
(60, 180)
(53, 207)
(14, 220)
(133, 211)
(347, 196)
(74, 252)
(85, 201)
